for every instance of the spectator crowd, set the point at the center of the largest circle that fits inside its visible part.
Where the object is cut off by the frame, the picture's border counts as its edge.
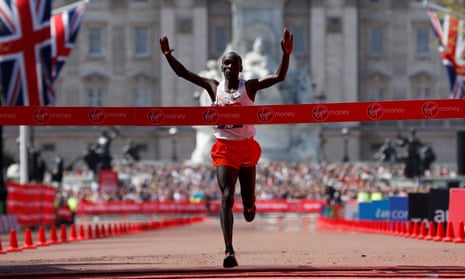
(334, 183)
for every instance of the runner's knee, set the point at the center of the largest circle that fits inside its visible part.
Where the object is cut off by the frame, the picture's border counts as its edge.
(227, 200)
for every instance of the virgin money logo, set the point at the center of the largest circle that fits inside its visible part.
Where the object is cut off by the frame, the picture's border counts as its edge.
(430, 109)
(210, 115)
(320, 113)
(375, 111)
(96, 115)
(155, 116)
(41, 116)
(265, 114)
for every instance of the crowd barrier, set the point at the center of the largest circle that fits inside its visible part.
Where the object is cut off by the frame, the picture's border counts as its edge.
(436, 215)
(34, 204)
(212, 207)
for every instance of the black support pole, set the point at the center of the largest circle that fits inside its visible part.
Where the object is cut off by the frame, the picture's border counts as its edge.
(3, 189)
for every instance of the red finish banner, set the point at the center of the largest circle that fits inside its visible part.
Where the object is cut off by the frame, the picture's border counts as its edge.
(260, 114)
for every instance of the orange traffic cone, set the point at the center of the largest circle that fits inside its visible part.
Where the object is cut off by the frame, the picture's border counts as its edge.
(393, 227)
(102, 231)
(53, 235)
(63, 236)
(110, 230)
(13, 247)
(430, 235)
(81, 235)
(73, 233)
(41, 239)
(415, 230)
(422, 232)
(399, 233)
(89, 232)
(461, 237)
(439, 231)
(28, 244)
(409, 229)
(449, 232)
(1, 249)
(97, 231)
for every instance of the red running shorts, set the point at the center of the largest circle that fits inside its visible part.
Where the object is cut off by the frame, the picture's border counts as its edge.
(236, 153)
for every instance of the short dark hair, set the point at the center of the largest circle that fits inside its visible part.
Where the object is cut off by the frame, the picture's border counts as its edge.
(234, 54)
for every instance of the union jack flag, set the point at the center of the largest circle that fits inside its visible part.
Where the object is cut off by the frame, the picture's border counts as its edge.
(65, 26)
(25, 52)
(450, 33)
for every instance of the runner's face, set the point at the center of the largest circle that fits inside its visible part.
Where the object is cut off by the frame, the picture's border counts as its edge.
(231, 66)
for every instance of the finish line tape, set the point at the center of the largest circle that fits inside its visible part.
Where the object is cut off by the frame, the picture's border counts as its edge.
(260, 114)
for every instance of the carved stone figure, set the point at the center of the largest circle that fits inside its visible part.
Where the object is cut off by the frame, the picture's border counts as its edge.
(256, 62)
(419, 156)
(387, 152)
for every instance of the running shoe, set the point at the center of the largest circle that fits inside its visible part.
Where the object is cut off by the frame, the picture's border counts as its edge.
(249, 213)
(230, 260)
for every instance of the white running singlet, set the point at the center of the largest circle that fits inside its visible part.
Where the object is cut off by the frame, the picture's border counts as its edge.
(236, 98)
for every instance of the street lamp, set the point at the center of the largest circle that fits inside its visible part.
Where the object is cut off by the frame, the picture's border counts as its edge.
(345, 135)
(173, 131)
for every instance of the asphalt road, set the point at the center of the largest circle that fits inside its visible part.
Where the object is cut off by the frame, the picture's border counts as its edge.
(270, 242)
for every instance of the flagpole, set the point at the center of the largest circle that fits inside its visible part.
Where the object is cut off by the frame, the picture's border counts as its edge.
(69, 6)
(23, 154)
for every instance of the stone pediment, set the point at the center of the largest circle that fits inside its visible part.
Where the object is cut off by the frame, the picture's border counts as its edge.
(96, 74)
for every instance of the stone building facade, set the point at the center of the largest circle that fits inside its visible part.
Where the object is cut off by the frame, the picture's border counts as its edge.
(356, 50)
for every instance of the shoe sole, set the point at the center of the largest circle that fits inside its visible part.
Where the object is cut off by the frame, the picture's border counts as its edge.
(230, 261)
